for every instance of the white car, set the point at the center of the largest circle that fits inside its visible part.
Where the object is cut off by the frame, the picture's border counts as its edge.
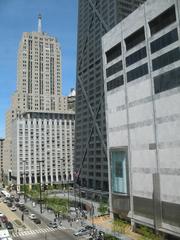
(81, 232)
(32, 216)
(13, 208)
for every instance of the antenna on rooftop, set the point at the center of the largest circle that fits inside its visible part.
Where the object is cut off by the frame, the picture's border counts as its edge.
(39, 23)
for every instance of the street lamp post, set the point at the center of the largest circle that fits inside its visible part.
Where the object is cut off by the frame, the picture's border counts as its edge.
(40, 190)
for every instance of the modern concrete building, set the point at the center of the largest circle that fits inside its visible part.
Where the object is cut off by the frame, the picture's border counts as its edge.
(95, 18)
(141, 57)
(39, 111)
(45, 139)
(1, 158)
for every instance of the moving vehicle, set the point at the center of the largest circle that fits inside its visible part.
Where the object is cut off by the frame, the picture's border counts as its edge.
(9, 204)
(81, 232)
(37, 221)
(52, 224)
(13, 208)
(32, 216)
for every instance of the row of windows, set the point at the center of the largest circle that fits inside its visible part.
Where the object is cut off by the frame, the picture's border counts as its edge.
(158, 23)
(163, 20)
(136, 56)
(114, 52)
(163, 82)
(135, 38)
(166, 81)
(116, 82)
(166, 59)
(164, 41)
(137, 72)
(114, 69)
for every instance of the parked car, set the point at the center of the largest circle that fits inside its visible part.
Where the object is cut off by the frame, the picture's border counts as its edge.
(21, 208)
(9, 225)
(17, 204)
(52, 224)
(81, 232)
(9, 204)
(16, 199)
(37, 221)
(13, 208)
(32, 216)
(89, 227)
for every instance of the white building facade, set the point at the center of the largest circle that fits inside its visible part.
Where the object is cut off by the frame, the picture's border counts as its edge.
(141, 58)
(43, 147)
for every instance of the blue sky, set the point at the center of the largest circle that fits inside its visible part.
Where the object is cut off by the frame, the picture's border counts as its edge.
(59, 19)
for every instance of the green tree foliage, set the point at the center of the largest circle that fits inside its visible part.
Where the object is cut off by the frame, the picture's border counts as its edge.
(103, 208)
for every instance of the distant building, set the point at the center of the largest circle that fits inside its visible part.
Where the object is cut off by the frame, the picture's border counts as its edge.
(141, 57)
(95, 18)
(40, 123)
(1, 158)
(45, 139)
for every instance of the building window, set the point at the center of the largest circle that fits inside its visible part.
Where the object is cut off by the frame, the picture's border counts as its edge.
(165, 59)
(119, 171)
(113, 52)
(136, 56)
(166, 81)
(116, 82)
(137, 72)
(114, 69)
(135, 38)
(164, 41)
(163, 20)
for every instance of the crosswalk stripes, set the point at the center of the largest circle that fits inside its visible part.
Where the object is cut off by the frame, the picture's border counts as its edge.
(36, 231)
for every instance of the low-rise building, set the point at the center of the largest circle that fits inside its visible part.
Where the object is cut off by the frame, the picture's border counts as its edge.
(43, 146)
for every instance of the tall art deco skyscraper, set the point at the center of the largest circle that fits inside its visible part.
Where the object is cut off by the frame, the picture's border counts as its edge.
(95, 18)
(39, 72)
(40, 123)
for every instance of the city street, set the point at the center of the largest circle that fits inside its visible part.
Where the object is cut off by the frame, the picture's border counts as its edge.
(28, 229)
(52, 235)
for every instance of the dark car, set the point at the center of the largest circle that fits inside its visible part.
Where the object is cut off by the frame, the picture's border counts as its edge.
(89, 227)
(9, 204)
(9, 225)
(16, 199)
(22, 208)
(17, 204)
(37, 221)
(26, 211)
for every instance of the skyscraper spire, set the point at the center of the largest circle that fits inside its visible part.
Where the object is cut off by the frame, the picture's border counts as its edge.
(39, 23)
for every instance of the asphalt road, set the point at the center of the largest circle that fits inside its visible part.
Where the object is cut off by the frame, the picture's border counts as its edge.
(54, 235)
